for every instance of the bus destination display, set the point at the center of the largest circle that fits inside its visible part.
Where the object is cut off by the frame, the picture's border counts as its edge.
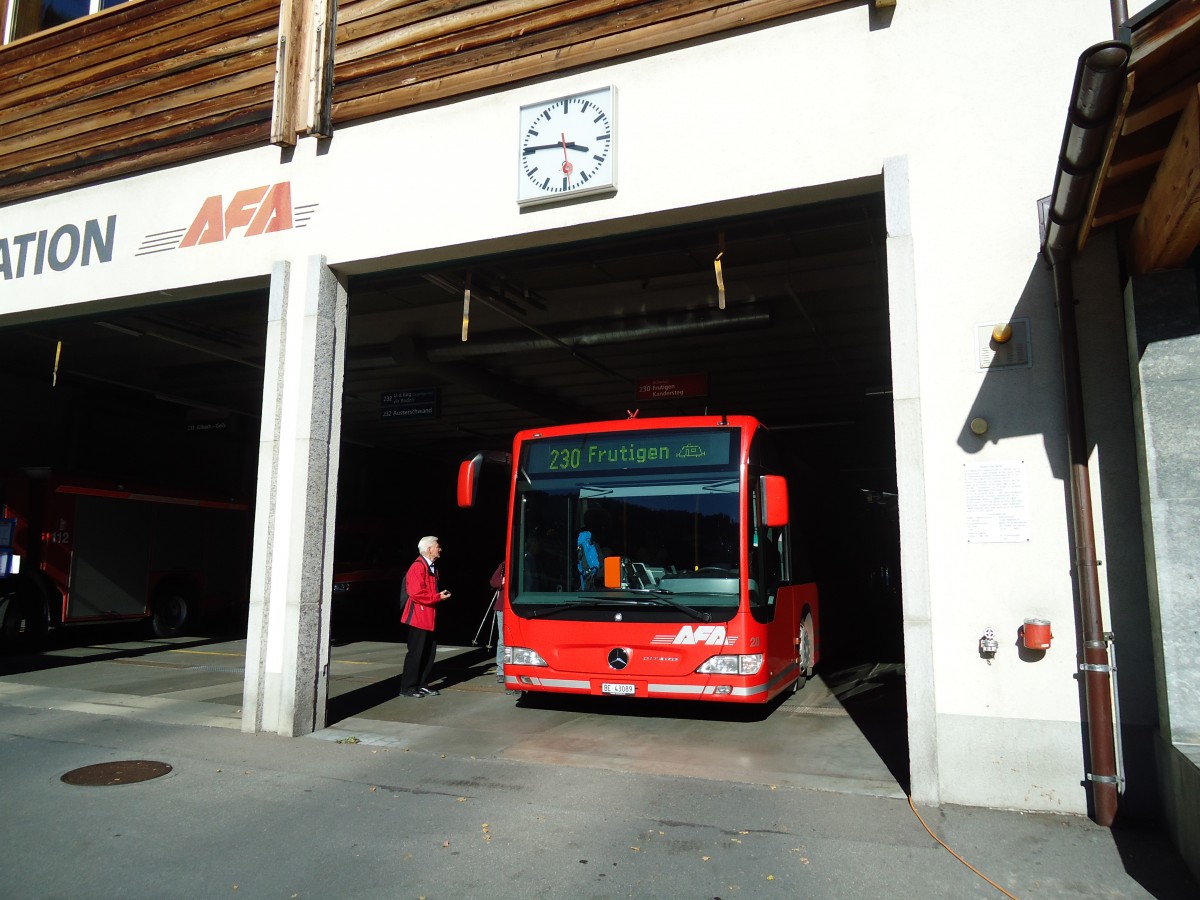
(631, 451)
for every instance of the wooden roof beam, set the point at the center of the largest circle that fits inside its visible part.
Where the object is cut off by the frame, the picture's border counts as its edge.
(303, 96)
(1167, 230)
(1122, 199)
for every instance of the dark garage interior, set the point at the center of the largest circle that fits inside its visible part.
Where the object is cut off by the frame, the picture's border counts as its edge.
(170, 394)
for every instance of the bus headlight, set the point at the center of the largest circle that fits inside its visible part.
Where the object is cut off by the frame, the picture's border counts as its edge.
(745, 664)
(523, 656)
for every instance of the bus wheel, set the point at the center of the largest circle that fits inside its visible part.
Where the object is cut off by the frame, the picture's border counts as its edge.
(168, 615)
(805, 655)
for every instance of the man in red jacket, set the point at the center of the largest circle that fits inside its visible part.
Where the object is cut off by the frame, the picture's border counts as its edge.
(419, 615)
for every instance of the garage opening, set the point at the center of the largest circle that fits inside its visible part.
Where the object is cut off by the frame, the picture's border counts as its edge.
(443, 363)
(128, 474)
(781, 316)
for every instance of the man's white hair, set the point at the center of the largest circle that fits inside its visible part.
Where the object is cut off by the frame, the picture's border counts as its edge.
(425, 543)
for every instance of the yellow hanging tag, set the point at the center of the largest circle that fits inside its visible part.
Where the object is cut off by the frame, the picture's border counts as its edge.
(466, 307)
(717, 269)
(57, 357)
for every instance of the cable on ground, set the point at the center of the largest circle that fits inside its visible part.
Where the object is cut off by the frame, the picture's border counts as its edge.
(955, 855)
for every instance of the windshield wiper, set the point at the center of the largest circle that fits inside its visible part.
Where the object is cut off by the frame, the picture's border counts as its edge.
(663, 598)
(587, 603)
(655, 596)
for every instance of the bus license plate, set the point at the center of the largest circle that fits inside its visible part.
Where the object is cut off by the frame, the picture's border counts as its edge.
(624, 689)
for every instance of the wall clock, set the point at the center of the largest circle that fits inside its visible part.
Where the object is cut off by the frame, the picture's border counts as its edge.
(567, 148)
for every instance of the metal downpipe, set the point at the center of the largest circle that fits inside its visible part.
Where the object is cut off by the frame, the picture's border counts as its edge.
(1095, 669)
(1120, 14)
(1095, 100)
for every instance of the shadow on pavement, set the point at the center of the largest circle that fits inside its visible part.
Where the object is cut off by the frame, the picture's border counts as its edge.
(642, 708)
(89, 644)
(1151, 860)
(447, 672)
(874, 696)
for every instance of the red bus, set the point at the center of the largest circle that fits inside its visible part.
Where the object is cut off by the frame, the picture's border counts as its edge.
(654, 558)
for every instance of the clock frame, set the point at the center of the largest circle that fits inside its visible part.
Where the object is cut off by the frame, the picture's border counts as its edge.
(566, 148)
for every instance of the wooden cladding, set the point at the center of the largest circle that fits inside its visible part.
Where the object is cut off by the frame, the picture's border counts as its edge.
(1167, 229)
(394, 54)
(157, 82)
(141, 85)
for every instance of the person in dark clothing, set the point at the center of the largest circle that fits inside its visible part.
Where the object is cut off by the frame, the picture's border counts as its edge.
(420, 614)
(497, 583)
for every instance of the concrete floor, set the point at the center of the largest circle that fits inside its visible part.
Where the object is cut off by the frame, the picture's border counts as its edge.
(844, 731)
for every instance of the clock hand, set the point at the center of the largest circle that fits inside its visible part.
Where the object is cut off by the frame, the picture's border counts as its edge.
(571, 145)
(567, 168)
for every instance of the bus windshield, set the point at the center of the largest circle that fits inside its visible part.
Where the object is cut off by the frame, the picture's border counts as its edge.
(665, 504)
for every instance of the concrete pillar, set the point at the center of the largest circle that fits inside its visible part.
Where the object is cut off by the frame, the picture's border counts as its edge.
(287, 647)
(910, 479)
(1163, 329)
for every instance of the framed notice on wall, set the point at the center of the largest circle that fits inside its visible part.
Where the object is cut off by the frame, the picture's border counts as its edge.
(997, 502)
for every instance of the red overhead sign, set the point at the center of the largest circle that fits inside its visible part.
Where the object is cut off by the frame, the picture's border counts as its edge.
(671, 387)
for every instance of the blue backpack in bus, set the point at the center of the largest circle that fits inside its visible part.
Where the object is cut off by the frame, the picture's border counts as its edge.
(588, 563)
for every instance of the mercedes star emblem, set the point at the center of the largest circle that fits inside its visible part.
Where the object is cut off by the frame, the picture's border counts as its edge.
(618, 658)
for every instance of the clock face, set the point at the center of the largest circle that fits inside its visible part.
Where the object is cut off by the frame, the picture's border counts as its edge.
(567, 148)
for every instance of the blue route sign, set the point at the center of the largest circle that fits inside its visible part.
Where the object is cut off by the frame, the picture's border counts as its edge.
(414, 403)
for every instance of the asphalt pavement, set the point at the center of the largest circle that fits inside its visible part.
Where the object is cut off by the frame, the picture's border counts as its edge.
(470, 794)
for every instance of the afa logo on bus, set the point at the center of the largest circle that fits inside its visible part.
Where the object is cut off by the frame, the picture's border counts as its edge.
(712, 635)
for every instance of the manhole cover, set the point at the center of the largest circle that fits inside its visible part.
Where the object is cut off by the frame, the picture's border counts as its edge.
(126, 771)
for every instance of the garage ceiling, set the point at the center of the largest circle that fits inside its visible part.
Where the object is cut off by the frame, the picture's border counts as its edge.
(558, 335)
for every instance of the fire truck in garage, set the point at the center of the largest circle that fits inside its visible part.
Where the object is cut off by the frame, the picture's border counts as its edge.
(81, 551)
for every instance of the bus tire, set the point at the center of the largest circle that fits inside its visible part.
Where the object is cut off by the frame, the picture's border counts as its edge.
(805, 650)
(168, 614)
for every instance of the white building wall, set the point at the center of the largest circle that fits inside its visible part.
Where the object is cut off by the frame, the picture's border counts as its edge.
(966, 101)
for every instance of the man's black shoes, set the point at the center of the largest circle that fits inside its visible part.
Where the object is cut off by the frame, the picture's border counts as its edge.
(415, 693)
(427, 692)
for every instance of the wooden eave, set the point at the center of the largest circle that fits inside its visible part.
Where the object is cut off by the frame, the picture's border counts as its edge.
(392, 57)
(158, 82)
(1150, 181)
(137, 86)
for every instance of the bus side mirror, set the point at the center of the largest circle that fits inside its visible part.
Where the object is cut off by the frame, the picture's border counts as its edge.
(774, 495)
(468, 480)
(468, 474)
